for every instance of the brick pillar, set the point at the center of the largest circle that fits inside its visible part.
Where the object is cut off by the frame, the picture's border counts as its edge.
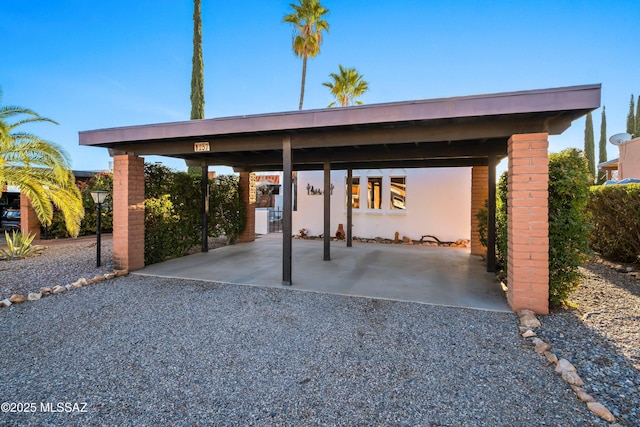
(479, 193)
(29, 222)
(248, 196)
(528, 223)
(128, 212)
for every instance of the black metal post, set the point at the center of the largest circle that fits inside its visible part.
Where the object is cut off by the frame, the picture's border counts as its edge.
(349, 207)
(99, 230)
(287, 232)
(205, 208)
(491, 215)
(327, 211)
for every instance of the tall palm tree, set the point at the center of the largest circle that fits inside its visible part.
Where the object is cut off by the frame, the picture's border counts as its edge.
(347, 86)
(308, 25)
(39, 168)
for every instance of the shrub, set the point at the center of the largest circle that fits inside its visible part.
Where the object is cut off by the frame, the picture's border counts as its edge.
(18, 246)
(569, 181)
(173, 208)
(226, 210)
(501, 225)
(568, 227)
(614, 213)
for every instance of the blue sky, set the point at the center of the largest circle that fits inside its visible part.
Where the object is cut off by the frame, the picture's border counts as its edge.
(92, 65)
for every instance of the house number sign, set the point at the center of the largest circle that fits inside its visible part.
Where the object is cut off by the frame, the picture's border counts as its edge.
(199, 147)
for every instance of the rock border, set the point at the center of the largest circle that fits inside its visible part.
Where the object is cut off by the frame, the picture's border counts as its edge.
(58, 289)
(529, 322)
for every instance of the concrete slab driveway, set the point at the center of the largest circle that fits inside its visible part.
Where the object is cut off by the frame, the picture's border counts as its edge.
(441, 276)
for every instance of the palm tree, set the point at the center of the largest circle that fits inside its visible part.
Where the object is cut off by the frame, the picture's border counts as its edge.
(347, 86)
(308, 25)
(39, 168)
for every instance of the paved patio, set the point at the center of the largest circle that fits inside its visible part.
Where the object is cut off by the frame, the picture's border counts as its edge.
(428, 275)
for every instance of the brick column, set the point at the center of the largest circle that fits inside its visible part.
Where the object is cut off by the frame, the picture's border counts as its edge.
(249, 202)
(128, 212)
(479, 193)
(528, 223)
(29, 222)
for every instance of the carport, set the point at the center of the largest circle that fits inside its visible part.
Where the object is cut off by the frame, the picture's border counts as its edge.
(471, 131)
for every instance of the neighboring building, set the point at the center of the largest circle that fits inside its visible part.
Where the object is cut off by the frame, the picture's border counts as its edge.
(627, 165)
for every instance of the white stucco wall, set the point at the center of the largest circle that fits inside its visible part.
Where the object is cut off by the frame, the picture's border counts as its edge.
(438, 202)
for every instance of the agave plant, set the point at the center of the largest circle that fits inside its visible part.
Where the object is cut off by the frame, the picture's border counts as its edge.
(18, 246)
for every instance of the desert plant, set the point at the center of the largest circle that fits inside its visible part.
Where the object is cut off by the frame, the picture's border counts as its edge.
(18, 246)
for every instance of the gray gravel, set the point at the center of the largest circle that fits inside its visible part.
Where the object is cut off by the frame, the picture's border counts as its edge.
(602, 339)
(59, 263)
(149, 351)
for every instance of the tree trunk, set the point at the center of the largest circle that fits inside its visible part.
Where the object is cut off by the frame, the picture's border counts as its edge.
(304, 78)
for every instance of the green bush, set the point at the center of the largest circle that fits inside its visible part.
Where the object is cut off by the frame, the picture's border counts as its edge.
(569, 181)
(501, 226)
(173, 209)
(226, 210)
(614, 213)
(568, 227)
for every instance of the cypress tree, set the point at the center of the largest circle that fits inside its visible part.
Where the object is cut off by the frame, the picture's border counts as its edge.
(589, 149)
(631, 121)
(602, 146)
(637, 132)
(197, 67)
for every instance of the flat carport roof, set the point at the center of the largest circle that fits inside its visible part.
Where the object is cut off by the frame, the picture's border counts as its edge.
(458, 131)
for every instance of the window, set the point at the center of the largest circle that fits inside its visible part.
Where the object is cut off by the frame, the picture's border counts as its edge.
(355, 190)
(398, 193)
(374, 193)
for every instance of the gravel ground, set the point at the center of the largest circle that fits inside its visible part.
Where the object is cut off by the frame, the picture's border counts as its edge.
(60, 262)
(150, 351)
(602, 338)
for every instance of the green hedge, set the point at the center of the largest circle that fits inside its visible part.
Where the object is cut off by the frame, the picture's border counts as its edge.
(568, 227)
(569, 181)
(173, 211)
(614, 212)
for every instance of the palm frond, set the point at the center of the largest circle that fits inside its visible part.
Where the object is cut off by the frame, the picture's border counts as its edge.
(40, 168)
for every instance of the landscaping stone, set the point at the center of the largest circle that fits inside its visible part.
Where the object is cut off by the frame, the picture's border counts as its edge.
(541, 346)
(5, 302)
(572, 378)
(582, 394)
(529, 333)
(57, 289)
(17, 299)
(34, 296)
(600, 410)
(552, 358)
(45, 291)
(564, 365)
(528, 319)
